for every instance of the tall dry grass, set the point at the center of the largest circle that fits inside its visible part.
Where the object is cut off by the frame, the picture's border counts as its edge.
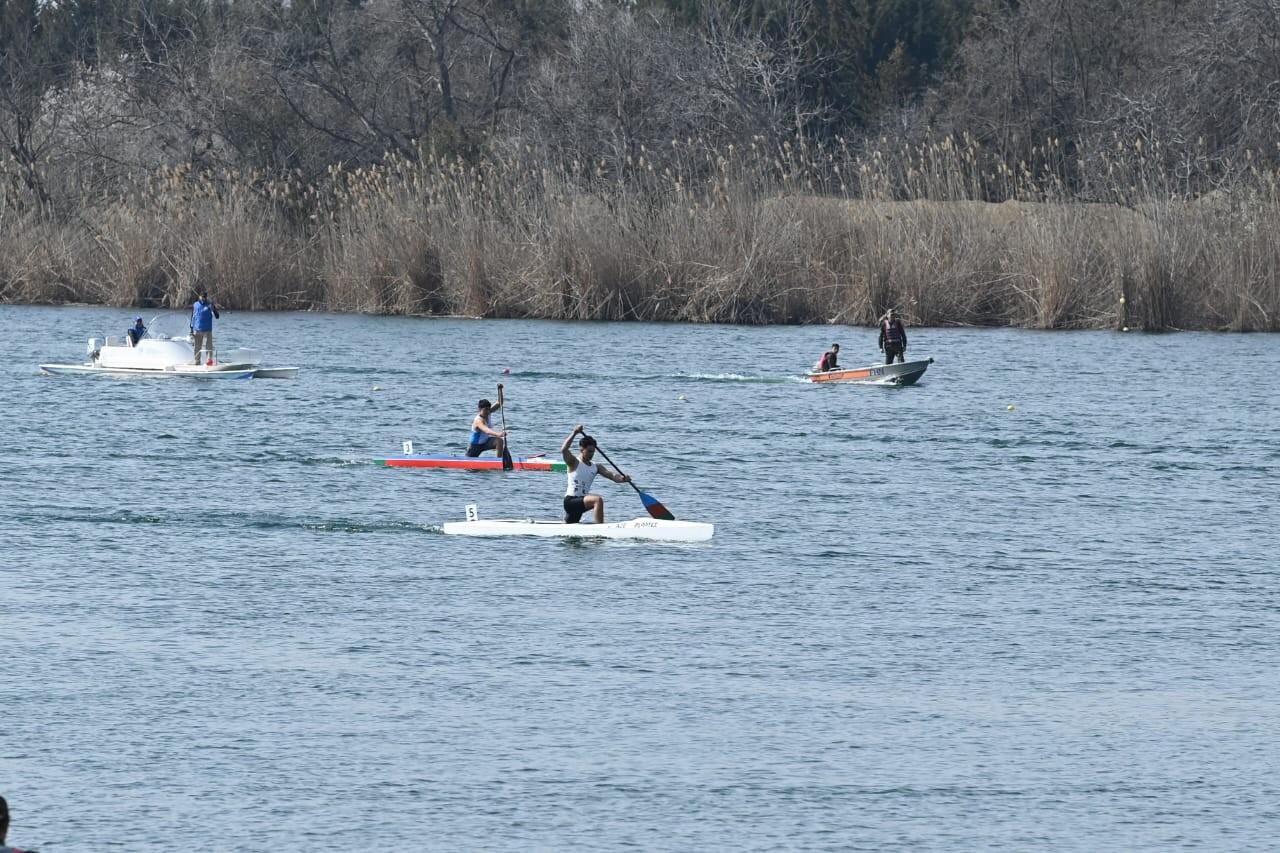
(799, 234)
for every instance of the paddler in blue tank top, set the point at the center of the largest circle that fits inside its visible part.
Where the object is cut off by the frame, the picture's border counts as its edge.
(483, 435)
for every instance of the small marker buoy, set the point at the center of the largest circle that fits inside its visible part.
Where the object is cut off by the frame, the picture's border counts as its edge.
(1121, 300)
(682, 397)
(1009, 408)
(506, 370)
(1124, 328)
(377, 387)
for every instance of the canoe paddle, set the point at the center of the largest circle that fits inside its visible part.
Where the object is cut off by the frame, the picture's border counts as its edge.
(507, 464)
(651, 504)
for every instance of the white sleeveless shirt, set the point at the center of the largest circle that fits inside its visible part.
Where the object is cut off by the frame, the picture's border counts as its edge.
(580, 480)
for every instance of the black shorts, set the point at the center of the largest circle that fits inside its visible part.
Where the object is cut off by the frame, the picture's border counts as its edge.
(574, 509)
(474, 450)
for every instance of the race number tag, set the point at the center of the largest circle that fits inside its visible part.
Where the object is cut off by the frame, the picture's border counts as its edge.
(408, 448)
(473, 512)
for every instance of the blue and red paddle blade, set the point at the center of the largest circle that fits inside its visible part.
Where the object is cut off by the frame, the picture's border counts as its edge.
(655, 507)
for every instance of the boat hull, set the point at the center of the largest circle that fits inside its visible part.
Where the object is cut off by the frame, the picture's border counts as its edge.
(217, 372)
(275, 373)
(904, 373)
(648, 529)
(468, 463)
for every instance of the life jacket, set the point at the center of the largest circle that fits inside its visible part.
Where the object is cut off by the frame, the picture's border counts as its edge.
(893, 332)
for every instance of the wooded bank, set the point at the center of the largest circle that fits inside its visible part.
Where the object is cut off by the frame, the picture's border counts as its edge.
(969, 161)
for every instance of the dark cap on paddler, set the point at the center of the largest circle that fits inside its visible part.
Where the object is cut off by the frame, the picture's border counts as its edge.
(484, 404)
(587, 441)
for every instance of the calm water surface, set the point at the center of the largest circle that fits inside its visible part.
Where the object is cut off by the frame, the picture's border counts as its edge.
(926, 622)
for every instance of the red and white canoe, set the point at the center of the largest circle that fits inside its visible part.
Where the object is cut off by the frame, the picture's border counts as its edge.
(471, 463)
(904, 373)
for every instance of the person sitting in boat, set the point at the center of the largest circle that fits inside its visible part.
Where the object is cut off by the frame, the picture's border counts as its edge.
(483, 435)
(829, 359)
(893, 337)
(582, 472)
(137, 333)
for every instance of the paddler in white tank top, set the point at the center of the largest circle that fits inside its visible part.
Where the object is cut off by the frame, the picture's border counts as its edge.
(582, 472)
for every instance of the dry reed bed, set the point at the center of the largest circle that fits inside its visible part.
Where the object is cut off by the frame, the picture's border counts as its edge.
(752, 236)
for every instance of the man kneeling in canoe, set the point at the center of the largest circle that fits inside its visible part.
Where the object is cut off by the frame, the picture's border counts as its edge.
(483, 435)
(582, 472)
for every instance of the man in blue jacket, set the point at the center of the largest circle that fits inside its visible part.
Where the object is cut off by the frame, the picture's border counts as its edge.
(203, 313)
(137, 333)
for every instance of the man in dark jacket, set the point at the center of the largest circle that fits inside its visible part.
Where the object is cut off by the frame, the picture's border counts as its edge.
(893, 337)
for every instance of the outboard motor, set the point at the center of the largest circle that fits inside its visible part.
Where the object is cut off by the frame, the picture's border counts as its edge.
(93, 350)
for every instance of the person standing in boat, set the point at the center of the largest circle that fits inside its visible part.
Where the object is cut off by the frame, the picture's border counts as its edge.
(893, 337)
(137, 333)
(203, 312)
(830, 359)
(483, 435)
(582, 472)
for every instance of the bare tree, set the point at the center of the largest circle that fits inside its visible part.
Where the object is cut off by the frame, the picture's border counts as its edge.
(758, 79)
(30, 67)
(624, 80)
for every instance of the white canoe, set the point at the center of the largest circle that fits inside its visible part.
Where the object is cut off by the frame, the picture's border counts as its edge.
(637, 528)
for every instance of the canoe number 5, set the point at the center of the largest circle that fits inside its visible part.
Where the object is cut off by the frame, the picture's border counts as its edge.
(473, 512)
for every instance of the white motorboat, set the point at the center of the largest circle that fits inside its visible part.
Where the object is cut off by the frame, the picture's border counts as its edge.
(652, 529)
(160, 355)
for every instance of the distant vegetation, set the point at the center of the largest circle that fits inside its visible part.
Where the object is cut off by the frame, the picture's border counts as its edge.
(1045, 163)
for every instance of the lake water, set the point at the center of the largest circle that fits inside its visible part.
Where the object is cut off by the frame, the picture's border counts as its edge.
(926, 621)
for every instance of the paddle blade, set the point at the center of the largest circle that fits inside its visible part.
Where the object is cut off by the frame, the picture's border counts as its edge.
(655, 507)
(507, 464)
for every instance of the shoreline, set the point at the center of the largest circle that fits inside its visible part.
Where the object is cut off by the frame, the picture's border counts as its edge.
(870, 327)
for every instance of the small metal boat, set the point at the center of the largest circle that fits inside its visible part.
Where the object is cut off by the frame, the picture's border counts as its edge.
(902, 373)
